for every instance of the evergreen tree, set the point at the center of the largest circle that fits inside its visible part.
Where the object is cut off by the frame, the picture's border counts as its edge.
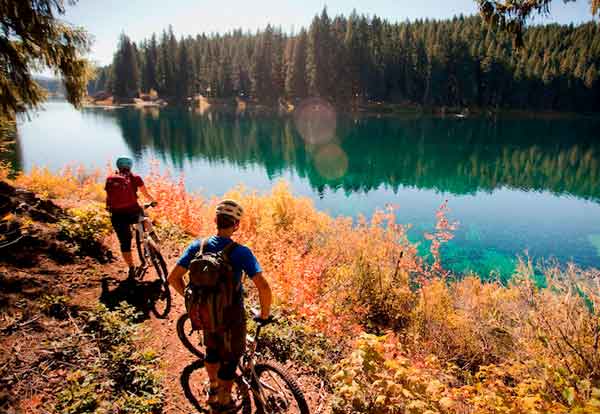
(32, 35)
(125, 70)
(318, 56)
(185, 78)
(296, 86)
(150, 69)
(590, 77)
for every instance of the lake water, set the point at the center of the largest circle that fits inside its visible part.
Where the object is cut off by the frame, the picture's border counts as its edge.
(515, 185)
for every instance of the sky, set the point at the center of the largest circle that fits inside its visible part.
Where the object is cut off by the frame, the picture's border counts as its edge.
(106, 19)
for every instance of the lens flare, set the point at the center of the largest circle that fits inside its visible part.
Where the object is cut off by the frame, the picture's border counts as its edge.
(331, 162)
(315, 120)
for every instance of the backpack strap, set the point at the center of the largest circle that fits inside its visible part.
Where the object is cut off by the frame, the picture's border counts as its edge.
(228, 249)
(202, 246)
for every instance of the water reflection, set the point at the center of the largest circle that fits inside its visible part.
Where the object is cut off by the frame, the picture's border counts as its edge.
(497, 175)
(448, 155)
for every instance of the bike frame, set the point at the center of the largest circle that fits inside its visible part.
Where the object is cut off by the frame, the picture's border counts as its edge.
(247, 364)
(143, 227)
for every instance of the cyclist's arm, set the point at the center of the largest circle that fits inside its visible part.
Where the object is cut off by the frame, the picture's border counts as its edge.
(146, 194)
(176, 279)
(264, 294)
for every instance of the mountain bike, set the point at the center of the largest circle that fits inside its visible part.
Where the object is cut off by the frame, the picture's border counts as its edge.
(147, 243)
(272, 388)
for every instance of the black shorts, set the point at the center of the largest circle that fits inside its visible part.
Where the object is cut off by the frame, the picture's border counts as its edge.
(122, 222)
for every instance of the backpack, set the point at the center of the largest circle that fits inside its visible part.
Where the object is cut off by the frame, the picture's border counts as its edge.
(210, 293)
(120, 192)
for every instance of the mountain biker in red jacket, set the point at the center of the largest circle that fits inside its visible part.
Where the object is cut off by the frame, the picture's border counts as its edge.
(121, 201)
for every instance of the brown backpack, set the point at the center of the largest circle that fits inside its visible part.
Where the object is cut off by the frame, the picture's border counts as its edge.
(209, 295)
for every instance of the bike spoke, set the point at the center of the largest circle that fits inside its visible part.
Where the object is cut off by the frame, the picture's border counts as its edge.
(277, 396)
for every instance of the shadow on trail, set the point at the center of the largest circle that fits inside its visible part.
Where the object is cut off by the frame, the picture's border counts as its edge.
(142, 295)
(193, 387)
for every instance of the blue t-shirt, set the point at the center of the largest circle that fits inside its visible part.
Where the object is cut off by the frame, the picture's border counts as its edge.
(241, 257)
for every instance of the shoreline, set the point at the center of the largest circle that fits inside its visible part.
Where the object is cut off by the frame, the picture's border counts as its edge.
(372, 109)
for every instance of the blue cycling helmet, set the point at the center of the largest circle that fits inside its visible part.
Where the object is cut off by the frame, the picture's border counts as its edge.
(124, 162)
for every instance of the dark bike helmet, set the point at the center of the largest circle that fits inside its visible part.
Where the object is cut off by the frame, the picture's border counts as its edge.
(124, 162)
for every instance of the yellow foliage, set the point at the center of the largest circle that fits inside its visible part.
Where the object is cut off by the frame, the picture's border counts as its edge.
(69, 183)
(4, 170)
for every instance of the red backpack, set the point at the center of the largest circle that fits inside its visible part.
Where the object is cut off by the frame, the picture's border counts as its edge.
(121, 193)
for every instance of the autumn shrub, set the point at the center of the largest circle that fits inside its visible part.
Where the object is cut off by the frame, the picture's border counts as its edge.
(291, 339)
(87, 225)
(81, 393)
(517, 348)
(562, 325)
(378, 377)
(485, 314)
(5, 170)
(69, 183)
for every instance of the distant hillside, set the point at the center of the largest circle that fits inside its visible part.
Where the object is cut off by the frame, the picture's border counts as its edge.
(52, 85)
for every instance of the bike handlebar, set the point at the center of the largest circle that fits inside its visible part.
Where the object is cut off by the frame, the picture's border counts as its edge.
(264, 322)
(260, 321)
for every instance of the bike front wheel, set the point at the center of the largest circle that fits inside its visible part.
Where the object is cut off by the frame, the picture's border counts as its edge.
(276, 391)
(193, 382)
(161, 303)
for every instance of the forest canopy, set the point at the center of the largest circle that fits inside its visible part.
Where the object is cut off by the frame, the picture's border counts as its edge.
(458, 62)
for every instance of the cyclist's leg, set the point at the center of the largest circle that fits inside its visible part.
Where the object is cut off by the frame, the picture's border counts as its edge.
(230, 360)
(212, 364)
(121, 224)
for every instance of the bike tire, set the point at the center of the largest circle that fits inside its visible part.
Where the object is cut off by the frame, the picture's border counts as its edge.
(197, 350)
(275, 405)
(244, 406)
(161, 269)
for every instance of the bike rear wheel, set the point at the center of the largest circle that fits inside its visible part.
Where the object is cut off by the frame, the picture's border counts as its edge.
(190, 339)
(161, 304)
(192, 381)
(278, 390)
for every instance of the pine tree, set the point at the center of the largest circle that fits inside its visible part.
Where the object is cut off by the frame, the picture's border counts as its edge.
(150, 69)
(32, 35)
(591, 76)
(126, 72)
(184, 76)
(318, 57)
(296, 74)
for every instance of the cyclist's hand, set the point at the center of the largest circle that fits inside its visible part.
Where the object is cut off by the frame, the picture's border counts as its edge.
(264, 321)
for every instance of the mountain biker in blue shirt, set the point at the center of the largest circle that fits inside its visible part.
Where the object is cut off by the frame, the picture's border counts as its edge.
(220, 364)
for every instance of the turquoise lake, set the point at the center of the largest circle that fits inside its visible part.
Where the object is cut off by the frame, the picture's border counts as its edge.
(515, 185)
